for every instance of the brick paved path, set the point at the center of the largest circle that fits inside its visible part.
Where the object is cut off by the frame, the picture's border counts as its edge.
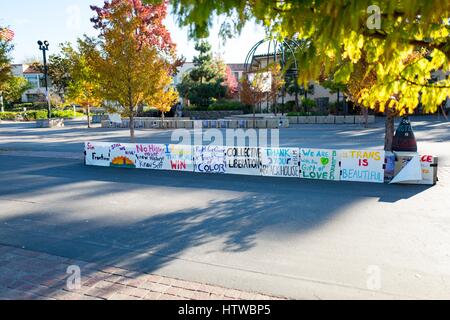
(33, 275)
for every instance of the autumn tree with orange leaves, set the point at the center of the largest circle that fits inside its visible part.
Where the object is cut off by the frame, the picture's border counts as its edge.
(136, 57)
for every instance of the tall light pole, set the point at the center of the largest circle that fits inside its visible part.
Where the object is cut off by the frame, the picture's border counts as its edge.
(43, 46)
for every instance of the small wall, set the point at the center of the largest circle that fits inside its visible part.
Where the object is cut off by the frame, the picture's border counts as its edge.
(50, 123)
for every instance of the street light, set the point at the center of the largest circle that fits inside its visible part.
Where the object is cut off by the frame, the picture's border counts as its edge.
(43, 46)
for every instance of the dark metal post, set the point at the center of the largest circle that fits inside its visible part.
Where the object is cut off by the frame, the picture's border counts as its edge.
(43, 46)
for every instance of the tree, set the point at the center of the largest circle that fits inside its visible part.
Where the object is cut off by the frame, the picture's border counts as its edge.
(83, 82)
(207, 81)
(166, 100)
(136, 56)
(14, 88)
(204, 70)
(277, 82)
(231, 83)
(5, 62)
(339, 31)
(58, 68)
(253, 89)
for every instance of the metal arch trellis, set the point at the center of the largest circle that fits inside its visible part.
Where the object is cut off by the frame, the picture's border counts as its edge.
(277, 51)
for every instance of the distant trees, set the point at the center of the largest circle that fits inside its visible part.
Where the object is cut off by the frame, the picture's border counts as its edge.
(210, 79)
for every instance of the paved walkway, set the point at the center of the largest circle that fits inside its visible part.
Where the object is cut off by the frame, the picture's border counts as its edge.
(32, 275)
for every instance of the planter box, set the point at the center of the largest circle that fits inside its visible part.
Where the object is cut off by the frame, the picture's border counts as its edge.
(261, 124)
(320, 119)
(339, 119)
(301, 120)
(189, 124)
(349, 119)
(311, 119)
(330, 120)
(371, 119)
(213, 123)
(50, 123)
(223, 123)
(180, 124)
(293, 120)
(359, 119)
(273, 124)
(233, 124)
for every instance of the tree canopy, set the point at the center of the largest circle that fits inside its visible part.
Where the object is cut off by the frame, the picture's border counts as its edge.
(341, 33)
(132, 60)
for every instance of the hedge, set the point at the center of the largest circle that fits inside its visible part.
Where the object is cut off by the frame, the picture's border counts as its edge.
(38, 115)
(8, 116)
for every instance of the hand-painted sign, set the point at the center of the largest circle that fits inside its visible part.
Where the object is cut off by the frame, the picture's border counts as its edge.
(123, 155)
(97, 154)
(363, 166)
(150, 156)
(243, 160)
(280, 162)
(209, 159)
(353, 165)
(320, 164)
(178, 157)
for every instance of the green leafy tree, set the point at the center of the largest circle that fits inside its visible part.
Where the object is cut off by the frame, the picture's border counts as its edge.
(207, 81)
(58, 67)
(204, 70)
(14, 89)
(83, 82)
(343, 33)
(5, 66)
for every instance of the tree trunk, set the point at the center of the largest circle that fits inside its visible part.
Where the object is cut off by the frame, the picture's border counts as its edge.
(389, 129)
(297, 106)
(1, 103)
(89, 116)
(131, 125)
(365, 113)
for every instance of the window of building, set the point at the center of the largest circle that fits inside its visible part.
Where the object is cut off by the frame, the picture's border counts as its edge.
(33, 80)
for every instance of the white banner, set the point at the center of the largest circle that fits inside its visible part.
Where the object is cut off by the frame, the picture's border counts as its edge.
(150, 156)
(243, 160)
(178, 158)
(97, 154)
(362, 166)
(209, 159)
(280, 162)
(322, 164)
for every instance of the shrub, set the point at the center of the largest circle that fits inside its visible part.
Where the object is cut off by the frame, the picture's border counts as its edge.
(19, 107)
(66, 114)
(35, 115)
(309, 104)
(8, 116)
(301, 114)
(222, 105)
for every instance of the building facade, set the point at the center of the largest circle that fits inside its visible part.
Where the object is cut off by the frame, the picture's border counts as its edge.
(35, 78)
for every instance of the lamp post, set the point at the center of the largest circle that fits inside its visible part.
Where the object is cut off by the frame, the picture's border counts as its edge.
(43, 46)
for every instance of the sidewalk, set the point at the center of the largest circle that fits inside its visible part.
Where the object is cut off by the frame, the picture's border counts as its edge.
(30, 275)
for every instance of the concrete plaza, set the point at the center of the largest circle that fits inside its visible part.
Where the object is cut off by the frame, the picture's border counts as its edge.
(292, 238)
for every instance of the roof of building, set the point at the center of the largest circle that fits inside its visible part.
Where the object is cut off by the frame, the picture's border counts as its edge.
(31, 70)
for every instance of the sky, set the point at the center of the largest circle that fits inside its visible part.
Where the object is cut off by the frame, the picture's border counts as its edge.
(65, 20)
